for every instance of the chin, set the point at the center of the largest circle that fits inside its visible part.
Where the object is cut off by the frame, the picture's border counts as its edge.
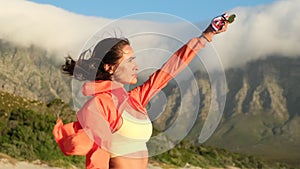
(133, 81)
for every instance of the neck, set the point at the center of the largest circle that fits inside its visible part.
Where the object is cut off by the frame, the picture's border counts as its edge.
(117, 84)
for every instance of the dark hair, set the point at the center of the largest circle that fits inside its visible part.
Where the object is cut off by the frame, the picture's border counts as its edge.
(107, 51)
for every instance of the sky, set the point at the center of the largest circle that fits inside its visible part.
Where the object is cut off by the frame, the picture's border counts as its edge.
(262, 28)
(191, 10)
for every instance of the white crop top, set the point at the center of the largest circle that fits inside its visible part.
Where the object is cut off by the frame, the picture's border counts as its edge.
(132, 136)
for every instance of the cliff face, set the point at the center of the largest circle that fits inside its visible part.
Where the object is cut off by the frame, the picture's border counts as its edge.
(29, 72)
(265, 85)
(261, 115)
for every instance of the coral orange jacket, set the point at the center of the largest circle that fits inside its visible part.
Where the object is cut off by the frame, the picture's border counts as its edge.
(99, 117)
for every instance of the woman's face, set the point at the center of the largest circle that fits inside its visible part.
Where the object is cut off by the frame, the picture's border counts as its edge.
(126, 72)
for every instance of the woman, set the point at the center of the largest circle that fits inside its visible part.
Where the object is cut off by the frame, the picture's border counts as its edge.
(113, 126)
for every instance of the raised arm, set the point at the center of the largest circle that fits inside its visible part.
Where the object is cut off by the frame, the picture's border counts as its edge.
(141, 95)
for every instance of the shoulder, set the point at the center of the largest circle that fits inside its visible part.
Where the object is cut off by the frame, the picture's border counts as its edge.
(103, 99)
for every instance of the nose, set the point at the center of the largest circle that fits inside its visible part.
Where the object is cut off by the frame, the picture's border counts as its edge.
(136, 66)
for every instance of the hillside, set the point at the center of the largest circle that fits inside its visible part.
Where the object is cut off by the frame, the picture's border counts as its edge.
(262, 114)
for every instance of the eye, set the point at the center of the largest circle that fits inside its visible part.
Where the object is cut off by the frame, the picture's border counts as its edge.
(131, 59)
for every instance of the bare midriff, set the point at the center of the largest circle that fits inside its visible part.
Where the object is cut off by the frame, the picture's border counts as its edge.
(121, 162)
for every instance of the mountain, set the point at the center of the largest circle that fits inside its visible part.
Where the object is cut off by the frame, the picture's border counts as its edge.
(262, 116)
(269, 84)
(31, 73)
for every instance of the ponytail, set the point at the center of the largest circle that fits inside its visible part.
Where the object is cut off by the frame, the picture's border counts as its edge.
(68, 67)
(90, 65)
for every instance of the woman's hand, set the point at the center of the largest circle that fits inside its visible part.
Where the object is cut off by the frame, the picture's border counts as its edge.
(218, 24)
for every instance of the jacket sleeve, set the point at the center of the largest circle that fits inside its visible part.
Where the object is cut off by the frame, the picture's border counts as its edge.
(159, 79)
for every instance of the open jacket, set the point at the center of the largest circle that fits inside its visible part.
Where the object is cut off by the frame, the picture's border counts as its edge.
(106, 105)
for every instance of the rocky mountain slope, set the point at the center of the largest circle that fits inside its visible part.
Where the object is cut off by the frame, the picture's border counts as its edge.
(31, 73)
(262, 114)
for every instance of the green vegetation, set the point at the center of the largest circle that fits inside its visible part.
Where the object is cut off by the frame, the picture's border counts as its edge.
(26, 134)
(205, 156)
(260, 135)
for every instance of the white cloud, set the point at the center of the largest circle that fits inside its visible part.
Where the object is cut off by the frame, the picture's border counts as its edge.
(49, 27)
(258, 31)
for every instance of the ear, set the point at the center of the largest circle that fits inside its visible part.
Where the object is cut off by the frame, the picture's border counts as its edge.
(109, 68)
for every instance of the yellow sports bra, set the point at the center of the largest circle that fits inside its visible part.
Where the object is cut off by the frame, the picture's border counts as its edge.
(132, 136)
